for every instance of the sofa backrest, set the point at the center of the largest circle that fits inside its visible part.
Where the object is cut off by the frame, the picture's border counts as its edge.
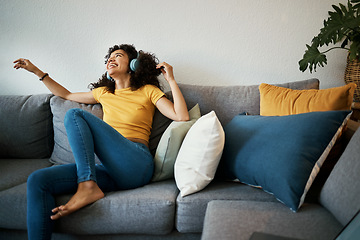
(341, 192)
(226, 101)
(25, 126)
(229, 101)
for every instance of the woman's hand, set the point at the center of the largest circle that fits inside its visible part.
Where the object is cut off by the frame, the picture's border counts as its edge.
(167, 71)
(27, 65)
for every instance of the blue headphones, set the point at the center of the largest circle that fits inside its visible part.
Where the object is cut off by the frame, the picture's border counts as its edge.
(108, 76)
(134, 64)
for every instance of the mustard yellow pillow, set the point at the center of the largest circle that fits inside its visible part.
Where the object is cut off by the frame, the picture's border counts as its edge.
(279, 101)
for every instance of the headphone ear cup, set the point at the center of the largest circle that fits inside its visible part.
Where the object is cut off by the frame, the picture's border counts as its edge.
(134, 64)
(109, 77)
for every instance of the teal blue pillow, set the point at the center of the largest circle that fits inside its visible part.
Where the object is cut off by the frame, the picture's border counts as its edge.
(280, 154)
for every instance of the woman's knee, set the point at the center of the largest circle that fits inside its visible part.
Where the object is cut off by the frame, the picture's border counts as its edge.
(71, 114)
(53, 179)
(38, 178)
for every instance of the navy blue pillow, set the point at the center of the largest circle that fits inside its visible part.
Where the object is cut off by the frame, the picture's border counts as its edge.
(281, 154)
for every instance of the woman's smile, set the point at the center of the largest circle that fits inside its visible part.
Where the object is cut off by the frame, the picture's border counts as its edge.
(112, 65)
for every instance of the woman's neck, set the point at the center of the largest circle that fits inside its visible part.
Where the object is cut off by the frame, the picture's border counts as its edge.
(122, 82)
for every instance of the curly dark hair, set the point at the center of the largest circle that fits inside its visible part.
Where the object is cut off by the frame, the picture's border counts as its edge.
(146, 72)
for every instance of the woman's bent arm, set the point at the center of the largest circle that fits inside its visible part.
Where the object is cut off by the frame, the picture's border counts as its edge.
(178, 110)
(53, 86)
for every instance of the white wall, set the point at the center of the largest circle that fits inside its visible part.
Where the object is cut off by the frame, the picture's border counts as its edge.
(209, 42)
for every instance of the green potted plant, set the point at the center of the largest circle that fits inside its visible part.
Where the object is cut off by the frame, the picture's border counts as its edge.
(342, 26)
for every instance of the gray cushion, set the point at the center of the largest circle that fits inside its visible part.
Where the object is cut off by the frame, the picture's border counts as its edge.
(239, 219)
(341, 192)
(229, 101)
(16, 171)
(174, 235)
(146, 210)
(191, 209)
(13, 207)
(62, 153)
(25, 126)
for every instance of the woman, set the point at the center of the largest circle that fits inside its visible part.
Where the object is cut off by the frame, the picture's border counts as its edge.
(128, 93)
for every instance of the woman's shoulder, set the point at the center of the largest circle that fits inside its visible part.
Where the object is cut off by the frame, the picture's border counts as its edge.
(150, 87)
(97, 92)
(100, 89)
(153, 92)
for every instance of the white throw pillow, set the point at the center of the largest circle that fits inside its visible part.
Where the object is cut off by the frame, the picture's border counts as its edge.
(169, 146)
(199, 155)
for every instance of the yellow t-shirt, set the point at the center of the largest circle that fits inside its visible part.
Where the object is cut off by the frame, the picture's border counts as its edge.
(129, 112)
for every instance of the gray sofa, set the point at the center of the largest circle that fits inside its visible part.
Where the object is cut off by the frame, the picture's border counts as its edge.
(32, 136)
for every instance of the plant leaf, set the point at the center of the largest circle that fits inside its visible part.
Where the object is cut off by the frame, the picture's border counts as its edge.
(343, 8)
(345, 42)
(337, 9)
(342, 25)
(312, 58)
(342, 21)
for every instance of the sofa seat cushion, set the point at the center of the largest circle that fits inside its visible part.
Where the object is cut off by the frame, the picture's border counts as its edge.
(13, 207)
(240, 219)
(10, 234)
(191, 209)
(146, 210)
(16, 171)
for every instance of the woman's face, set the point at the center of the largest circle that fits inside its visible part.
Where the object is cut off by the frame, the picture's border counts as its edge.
(118, 63)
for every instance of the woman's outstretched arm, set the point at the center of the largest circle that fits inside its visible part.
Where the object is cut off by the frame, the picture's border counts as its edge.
(53, 86)
(178, 110)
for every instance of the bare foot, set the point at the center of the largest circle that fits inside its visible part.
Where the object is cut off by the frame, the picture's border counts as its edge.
(87, 192)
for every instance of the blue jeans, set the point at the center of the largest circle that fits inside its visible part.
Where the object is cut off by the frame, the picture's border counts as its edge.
(124, 165)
